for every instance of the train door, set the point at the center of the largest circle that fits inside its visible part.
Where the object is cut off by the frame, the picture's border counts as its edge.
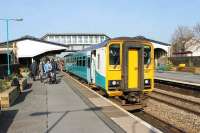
(93, 66)
(133, 68)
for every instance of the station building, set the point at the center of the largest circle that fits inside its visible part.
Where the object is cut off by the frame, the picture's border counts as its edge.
(76, 41)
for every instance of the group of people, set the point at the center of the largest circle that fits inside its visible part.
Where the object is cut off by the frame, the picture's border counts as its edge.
(45, 69)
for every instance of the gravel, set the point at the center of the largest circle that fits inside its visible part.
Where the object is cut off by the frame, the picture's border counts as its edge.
(188, 122)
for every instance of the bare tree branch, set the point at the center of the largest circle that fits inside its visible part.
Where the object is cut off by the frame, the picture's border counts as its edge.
(196, 30)
(180, 38)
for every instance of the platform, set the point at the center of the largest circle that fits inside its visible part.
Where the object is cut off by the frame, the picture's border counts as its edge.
(67, 107)
(184, 77)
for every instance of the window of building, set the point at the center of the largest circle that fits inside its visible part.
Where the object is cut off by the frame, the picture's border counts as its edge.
(114, 54)
(57, 39)
(51, 38)
(73, 39)
(68, 39)
(96, 38)
(91, 39)
(102, 38)
(85, 39)
(80, 39)
(62, 38)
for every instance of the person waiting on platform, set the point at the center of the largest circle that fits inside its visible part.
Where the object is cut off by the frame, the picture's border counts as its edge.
(53, 71)
(41, 71)
(33, 70)
(47, 68)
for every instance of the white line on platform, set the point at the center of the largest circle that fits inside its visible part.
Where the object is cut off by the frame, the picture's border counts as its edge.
(176, 81)
(114, 104)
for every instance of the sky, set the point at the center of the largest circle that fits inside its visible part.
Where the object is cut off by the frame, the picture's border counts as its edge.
(155, 19)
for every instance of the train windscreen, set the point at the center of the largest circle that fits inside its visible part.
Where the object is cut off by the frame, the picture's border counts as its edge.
(147, 54)
(114, 51)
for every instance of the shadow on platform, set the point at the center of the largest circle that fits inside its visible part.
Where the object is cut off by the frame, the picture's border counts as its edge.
(68, 111)
(63, 115)
(6, 119)
(23, 95)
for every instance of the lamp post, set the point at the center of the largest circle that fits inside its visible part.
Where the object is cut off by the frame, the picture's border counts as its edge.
(7, 40)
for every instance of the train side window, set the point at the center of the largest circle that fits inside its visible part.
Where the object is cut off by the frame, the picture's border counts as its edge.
(114, 54)
(83, 61)
(77, 61)
(88, 62)
(94, 53)
(80, 61)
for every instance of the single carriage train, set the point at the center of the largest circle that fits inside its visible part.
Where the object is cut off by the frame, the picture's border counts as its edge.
(122, 67)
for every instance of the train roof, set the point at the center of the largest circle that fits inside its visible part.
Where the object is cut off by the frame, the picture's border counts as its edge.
(96, 46)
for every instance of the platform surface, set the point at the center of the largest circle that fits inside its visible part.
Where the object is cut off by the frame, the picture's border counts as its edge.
(61, 108)
(179, 76)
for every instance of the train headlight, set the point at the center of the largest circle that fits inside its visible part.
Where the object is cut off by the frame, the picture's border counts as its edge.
(114, 83)
(147, 82)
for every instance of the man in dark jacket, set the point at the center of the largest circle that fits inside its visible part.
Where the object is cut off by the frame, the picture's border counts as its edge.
(33, 70)
(54, 68)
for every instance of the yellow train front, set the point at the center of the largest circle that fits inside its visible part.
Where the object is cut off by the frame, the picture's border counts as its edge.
(121, 67)
(129, 68)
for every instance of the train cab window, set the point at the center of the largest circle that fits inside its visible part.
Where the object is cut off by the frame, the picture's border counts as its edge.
(114, 54)
(147, 55)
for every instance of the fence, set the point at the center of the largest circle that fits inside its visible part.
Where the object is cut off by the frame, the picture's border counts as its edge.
(190, 61)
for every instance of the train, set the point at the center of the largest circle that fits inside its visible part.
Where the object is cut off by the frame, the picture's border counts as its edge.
(120, 67)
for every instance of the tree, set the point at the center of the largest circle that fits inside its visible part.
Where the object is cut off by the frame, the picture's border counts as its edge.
(196, 30)
(180, 38)
(196, 42)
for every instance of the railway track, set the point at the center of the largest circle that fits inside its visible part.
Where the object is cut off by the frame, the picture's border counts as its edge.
(178, 104)
(186, 103)
(185, 88)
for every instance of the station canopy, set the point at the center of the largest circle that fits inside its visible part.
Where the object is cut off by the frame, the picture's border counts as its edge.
(30, 46)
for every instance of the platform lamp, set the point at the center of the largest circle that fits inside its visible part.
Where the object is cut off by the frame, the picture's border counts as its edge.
(7, 41)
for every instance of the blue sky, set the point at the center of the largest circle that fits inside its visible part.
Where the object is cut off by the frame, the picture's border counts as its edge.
(156, 19)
